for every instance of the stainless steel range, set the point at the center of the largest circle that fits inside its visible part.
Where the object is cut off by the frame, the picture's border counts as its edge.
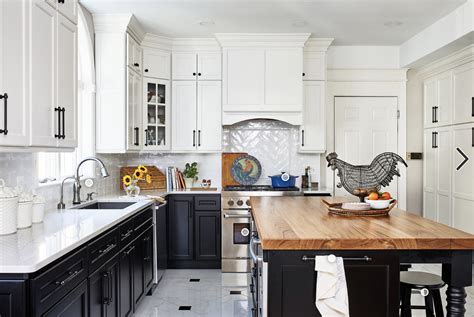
(236, 222)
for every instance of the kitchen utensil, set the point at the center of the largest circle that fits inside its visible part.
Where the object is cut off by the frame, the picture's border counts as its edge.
(355, 206)
(246, 170)
(283, 180)
(227, 161)
(378, 204)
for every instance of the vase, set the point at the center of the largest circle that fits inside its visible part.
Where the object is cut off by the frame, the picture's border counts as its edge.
(189, 182)
(132, 190)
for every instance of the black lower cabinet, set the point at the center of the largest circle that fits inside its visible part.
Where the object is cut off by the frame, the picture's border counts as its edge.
(104, 296)
(126, 280)
(180, 228)
(143, 265)
(207, 236)
(147, 245)
(12, 298)
(74, 304)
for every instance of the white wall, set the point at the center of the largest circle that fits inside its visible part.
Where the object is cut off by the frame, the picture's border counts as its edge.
(363, 57)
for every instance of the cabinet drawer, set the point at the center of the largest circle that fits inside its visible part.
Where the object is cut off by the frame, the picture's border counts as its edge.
(127, 233)
(49, 287)
(207, 202)
(144, 219)
(103, 249)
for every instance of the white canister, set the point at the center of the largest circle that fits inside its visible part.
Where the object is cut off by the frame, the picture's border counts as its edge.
(25, 211)
(38, 209)
(8, 209)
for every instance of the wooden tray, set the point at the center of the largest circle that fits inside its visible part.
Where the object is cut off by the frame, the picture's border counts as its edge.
(337, 210)
(158, 179)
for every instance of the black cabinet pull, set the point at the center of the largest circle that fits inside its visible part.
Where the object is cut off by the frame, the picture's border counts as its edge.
(111, 290)
(432, 140)
(129, 250)
(67, 279)
(194, 137)
(61, 1)
(63, 111)
(302, 137)
(5, 115)
(146, 137)
(435, 140)
(432, 114)
(146, 70)
(304, 74)
(136, 64)
(105, 290)
(107, 248)
(199, 137)
(136, 143)
(199, 74)
(472, 107)
(472, 137)
(435, 114)
(194, 74)
(58, 135)
(127, 234)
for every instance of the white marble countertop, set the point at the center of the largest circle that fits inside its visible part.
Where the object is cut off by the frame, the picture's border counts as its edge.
(33, 248)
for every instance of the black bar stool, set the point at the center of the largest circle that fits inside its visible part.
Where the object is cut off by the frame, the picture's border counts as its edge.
(429, 286)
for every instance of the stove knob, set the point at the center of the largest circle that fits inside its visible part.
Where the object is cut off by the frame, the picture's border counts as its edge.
(240, 202)
(230, 203)
(247, 202)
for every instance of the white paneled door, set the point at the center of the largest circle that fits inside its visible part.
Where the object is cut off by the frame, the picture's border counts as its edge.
(364, 128)
(184, 134)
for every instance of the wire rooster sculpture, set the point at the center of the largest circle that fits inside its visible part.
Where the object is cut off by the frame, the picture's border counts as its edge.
(360, 180)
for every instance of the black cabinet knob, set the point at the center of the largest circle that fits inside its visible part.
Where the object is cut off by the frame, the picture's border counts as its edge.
(60, 1)
(136, 64)
(194, 74)
(199, 74)
(304, 74)
(146, 70)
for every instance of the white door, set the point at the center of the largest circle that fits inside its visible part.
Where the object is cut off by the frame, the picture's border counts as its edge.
(156, 63)
(364, 128)
(69, 9)
(44, 119)
(313, 130)
(184, 134)
(209, 66)
(463, 177)
(134, 54)
(463, 93)
(429, 175)
(13, 79)
(209, 116)
(314, 66)
(443, 148)
(430, 100)
(444, 105)
(66, 80)
(184, 66)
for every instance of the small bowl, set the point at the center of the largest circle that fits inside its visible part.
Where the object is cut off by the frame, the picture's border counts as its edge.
(378, 204)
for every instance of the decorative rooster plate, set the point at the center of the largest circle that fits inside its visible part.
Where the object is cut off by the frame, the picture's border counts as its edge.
(246, 170)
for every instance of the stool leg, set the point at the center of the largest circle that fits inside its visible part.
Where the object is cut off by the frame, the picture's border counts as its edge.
(438, 303)
(406, 302)
(429, 305)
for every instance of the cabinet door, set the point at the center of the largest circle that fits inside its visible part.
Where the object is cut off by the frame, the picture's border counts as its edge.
(104, 293)
(429, 176)
(13, 79)
(184, 66)
(134, 54)
(147, 246)
(156, 114)
(313, 130)
(66, 80)
(74, 304)
(180, 226)
(443, 112)
(69, 9)
(283, 80)
(314, 66)
(126, 281)
(133, 111)
(138, 272)
(184, 116)
(463, 178)
(244, 76)
(444, 153)
(463, 93)
(209, 66)
(430, 100)
(209, 116)
(12, 297)
(156, 63)
(207, 237)
(43, 117)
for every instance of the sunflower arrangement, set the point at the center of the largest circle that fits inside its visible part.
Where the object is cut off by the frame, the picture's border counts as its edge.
(130, 182)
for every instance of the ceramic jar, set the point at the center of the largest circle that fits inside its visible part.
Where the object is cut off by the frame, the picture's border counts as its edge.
(25, 211)
(8, 209)
(38, 209)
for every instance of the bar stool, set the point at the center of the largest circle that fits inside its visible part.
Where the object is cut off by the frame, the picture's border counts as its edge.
(429, 286)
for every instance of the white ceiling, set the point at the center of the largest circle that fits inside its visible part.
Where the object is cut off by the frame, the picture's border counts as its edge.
(350, 22)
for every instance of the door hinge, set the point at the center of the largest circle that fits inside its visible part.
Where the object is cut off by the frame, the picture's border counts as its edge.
(398, 114)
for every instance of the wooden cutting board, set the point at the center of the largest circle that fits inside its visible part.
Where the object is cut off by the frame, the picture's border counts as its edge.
(336, 201)
(158, 179)
(227, 161)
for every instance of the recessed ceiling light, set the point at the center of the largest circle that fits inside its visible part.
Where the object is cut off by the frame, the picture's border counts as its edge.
(393, 24)
(206, 23)
(299, 23)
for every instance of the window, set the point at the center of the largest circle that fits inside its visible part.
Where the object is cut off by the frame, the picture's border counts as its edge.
(56, 166)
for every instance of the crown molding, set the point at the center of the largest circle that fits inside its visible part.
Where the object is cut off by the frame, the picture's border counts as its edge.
(118, 23)
(453, 60)
(135, 29)
(196, 44)
(367, 75)
(262, 39)
(157, 41)
(318, 44)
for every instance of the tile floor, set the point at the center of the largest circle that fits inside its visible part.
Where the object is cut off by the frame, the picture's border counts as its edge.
(211, 293)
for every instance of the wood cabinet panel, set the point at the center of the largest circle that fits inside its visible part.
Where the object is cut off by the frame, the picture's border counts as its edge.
(156, 63)
(314, 66)
(74, 304)
(209, 116)
(207, 238)
(13, 298)
(463, 93)
(126, 281)
(180, 228)
(184, 66)
(184, 136)
(209, 66)
(313, 129)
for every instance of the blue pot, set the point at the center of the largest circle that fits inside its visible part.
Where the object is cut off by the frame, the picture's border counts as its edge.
(283, 180)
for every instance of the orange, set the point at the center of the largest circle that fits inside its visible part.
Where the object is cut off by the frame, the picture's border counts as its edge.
(386, 196)
(373, 196)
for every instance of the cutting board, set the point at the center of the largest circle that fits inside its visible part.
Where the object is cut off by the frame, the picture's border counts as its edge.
(227, 161)
(158, 179)
(335, 201)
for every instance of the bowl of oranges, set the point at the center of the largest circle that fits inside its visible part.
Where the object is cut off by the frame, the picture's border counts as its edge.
(379, 200)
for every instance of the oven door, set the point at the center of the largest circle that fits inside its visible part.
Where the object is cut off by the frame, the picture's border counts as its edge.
(235, 240)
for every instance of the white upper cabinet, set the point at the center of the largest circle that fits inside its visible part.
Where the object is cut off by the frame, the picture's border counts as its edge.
(156, 63)
(134, 55)
(157, 114)
(68, 8)
(314, 66)
(184, 134)
(200, 66)
(463, 93)
(14, 130)
(134, 113)
(430, 100)
(313, 129)
(209, 116)
(438, 101)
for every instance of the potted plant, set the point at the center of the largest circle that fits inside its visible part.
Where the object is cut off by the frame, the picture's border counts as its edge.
(190, 174)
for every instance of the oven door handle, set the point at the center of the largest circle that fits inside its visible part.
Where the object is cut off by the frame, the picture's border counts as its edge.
(237, 216)
(253, 242)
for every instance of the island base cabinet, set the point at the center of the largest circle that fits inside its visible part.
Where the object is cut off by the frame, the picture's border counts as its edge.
(104, 290)
(126, 281)
(74, 304)
(373, 286)
(12, 294)
(143, 265)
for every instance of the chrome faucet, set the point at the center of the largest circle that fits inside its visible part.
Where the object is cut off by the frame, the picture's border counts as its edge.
(77, 184)
(61, 204)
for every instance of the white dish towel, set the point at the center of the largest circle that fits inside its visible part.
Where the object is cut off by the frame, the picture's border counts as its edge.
(331, 287)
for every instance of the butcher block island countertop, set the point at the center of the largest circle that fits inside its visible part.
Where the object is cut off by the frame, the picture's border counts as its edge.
(303, 223)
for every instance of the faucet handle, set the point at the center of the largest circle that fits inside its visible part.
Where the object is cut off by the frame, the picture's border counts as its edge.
(90, 196)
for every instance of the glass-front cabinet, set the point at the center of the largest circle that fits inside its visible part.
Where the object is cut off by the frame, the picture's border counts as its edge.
(157, 114)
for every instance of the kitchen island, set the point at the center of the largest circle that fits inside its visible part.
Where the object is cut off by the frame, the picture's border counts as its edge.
(293, 230)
